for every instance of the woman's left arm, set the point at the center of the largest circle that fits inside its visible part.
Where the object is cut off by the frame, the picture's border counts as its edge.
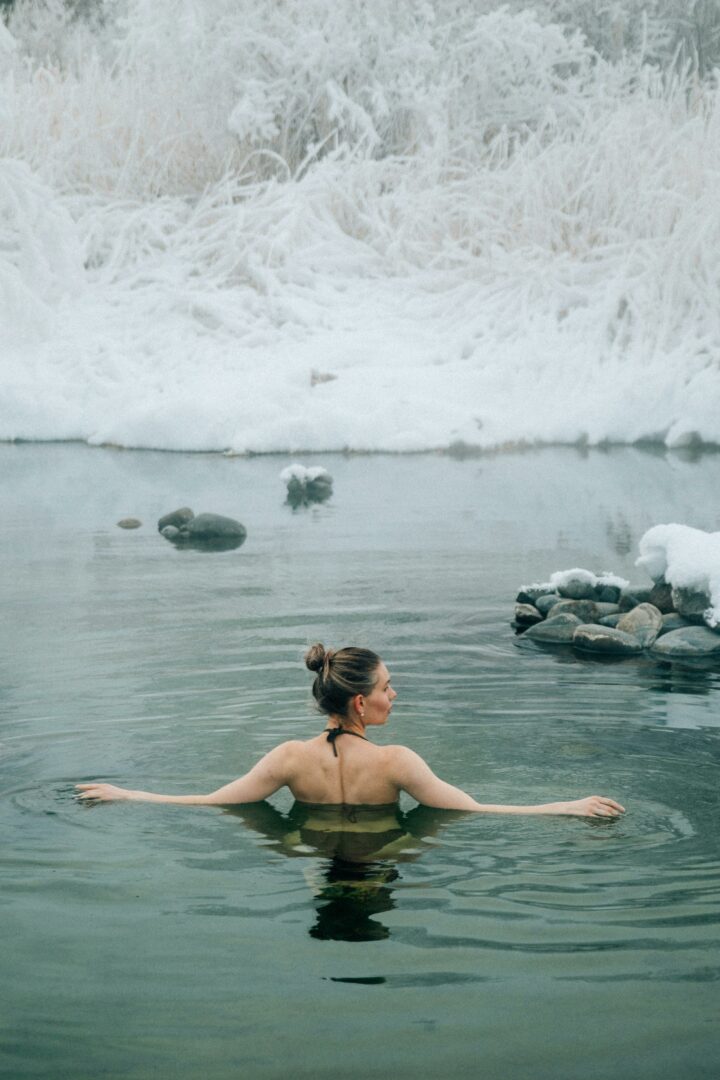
(271, 773)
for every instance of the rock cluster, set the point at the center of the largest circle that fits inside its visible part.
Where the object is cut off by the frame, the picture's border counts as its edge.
(305, 486)
(596, 617)
(211, 532)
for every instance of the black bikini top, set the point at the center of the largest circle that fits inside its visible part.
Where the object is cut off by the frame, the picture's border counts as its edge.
(334, 733)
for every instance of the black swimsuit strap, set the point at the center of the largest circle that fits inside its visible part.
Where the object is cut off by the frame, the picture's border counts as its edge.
(334, 733)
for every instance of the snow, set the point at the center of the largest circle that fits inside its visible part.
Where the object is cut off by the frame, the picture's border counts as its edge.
(312, 227)
(303, 473)
(563, 577)
(687, 558)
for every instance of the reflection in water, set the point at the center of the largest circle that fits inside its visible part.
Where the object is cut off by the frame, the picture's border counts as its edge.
(359, 849)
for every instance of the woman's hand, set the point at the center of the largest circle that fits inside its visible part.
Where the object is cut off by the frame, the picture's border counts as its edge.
(102, 793)
(593, 806)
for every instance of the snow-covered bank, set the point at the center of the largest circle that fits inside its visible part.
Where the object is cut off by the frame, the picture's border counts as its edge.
(228, 234)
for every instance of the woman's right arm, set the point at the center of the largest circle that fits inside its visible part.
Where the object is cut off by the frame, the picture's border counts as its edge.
(413, 775)
(272, 772)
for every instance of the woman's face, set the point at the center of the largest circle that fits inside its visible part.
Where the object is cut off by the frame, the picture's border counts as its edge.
(377, 704)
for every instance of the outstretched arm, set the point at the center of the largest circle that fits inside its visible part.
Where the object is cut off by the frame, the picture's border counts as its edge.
(266, 777)
(415, 776)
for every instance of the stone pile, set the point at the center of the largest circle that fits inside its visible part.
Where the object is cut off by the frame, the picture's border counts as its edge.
(306, 485)
(596, 617)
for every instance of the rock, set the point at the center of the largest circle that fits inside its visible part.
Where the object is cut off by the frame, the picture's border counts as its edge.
(178, 518)
(530, 594)
(129, 523)
(661, 597)
(672, 621)
(527, 615)
(209, 532)
(611, 620)
(690, 603)
(631, 597)
(306, 485)
(545, 604)
(604, 609)
(585, 610)
(644, 622)
(691, 642)
(607, 594)
(577, 589)
(557, 630)
(215, 527)
(604, 639)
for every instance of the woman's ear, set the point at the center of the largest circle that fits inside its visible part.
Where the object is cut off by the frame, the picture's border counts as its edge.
(359, 704)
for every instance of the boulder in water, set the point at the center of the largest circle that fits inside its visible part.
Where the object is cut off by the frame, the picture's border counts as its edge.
(644, 622)
(178, 518)
(688, 643)
(557, 630)
(527, 615)
(129, 523)
(590, 637)
(209, 532)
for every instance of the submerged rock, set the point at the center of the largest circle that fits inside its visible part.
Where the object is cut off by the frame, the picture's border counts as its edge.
(690, 642)
(557, 630)
(644, 622)
(605, 639)
(129, 523)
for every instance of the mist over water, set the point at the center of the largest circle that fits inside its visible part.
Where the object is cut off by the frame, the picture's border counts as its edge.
(262, 226)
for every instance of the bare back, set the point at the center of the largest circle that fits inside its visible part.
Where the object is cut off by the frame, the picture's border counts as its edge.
(361, 774)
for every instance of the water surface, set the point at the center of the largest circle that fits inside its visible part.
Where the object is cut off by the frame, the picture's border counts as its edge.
(144, 941)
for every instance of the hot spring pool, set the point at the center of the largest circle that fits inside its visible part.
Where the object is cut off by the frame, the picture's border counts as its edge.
(157, 941)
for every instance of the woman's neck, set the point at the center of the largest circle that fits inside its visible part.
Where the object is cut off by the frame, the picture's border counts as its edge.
(347, 724)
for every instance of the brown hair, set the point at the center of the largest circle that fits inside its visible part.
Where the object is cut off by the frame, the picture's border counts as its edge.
(341, 674)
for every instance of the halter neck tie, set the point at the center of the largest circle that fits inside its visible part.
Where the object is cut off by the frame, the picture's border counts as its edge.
(334, 733)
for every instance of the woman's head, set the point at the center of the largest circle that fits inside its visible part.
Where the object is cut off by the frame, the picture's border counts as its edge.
(345, 678)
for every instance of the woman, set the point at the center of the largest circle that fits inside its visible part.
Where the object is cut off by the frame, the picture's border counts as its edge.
(352, 687)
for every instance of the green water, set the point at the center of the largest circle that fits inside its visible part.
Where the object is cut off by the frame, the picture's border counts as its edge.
(155, 941)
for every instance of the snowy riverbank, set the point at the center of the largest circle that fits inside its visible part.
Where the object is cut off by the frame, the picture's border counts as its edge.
(237, 236)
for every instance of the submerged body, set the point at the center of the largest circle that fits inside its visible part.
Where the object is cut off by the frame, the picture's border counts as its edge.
(334, 769)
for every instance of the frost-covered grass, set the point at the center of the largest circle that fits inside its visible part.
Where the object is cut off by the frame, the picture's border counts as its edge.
(479, 224)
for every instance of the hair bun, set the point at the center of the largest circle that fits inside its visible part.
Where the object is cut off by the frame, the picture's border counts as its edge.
(315, 657)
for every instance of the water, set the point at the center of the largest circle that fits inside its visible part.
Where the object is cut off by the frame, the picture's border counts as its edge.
(143, 941)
